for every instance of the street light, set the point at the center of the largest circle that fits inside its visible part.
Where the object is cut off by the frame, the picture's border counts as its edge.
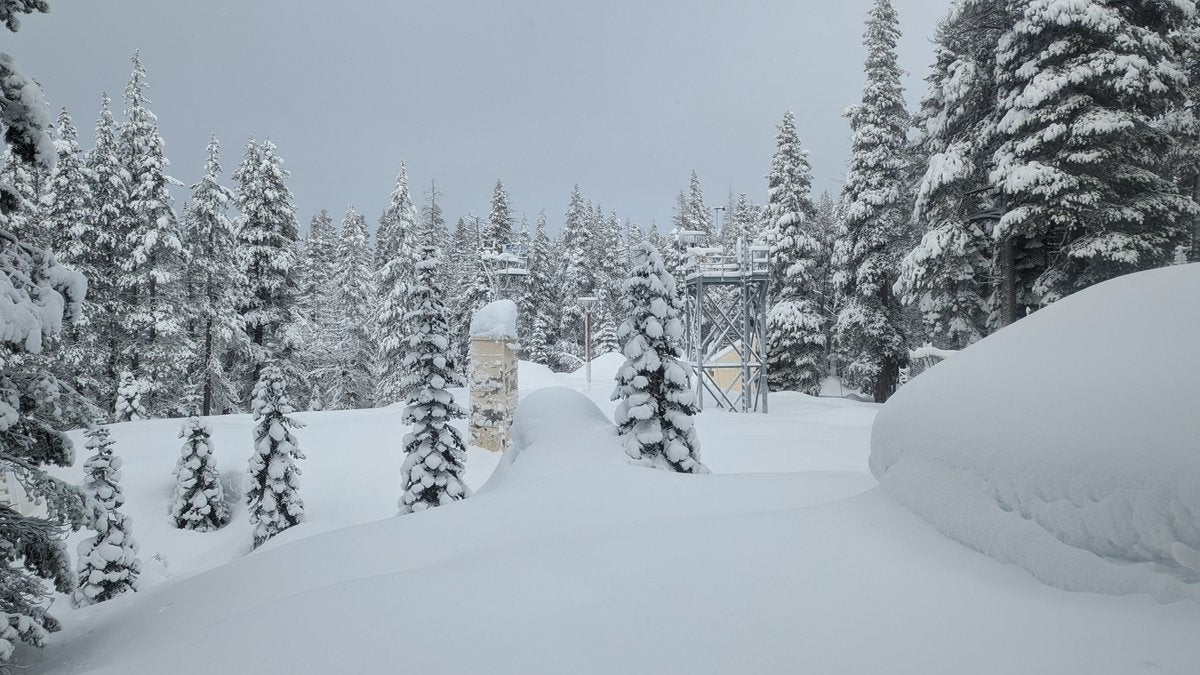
(587, 302)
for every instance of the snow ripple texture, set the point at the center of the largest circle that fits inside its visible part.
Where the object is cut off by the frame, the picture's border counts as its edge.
(1067, 443)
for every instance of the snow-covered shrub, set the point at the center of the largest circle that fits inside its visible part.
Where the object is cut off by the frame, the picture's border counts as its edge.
(128, 407)
(653, 387)
(199, 497)
(272, 497)
(108, 563)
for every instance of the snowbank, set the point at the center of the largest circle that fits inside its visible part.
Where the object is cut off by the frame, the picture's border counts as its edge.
(495, 321)
(554, 430)
(1068, 443)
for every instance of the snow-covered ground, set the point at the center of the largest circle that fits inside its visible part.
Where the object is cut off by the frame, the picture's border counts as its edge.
(789, 558)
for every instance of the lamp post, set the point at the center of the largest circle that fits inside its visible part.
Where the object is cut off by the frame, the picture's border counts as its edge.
(587, 302)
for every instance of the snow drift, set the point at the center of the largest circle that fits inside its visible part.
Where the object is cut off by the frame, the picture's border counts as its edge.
(1067, 443)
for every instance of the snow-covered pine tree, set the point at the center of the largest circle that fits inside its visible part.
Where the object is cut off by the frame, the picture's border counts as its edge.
(199, 502)
(1182, 121)
(267, 237)
(826, 229)
(39, 294)
(396, 254)
(67, 221)
(350, 383)
(24, 180)
(320, 254)
(101, 342)
(432, 473)
(539, 307)
(1082, 86)
(214, 287)
(499, 230)
(795, 324)
(653, 387)
(128, 406)
(272, 491)
(948, 275)
(869, 341)
(67, 198)
(577, 271)
(477, 291)
(108, 563)
(695, 214)
(398, 226)
(157, 343)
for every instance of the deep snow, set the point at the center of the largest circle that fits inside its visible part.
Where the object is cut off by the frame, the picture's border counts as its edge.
(1069, 442)
(787, 559)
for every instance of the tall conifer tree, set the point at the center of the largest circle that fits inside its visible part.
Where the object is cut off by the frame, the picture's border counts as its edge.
(869, 338)
(795, 325)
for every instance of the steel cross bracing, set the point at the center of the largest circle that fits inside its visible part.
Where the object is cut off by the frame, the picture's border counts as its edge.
(726, 307)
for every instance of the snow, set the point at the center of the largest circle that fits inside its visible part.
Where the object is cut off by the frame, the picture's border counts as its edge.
(495, 321)
(787, 558)
(1065, 443)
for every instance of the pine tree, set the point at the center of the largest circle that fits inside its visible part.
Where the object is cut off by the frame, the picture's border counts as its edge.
(199, 502)
(39, 294)
(319, 271)
(1082, 87)
(272, 497)
(653, 387)
(500, 222)
(267, 237)
(128, 406)
(432, 473)
(539, 315)
(67, 220)
(396, 254)
(214, 286)
(695, 213)
(399, 229)
(577, 271)
(23, 181)
(869, 340)
(151, 274)
(948, 275)
(795, 324)
(67, 199)
(101, 342)
(108, 563)
(350, 382)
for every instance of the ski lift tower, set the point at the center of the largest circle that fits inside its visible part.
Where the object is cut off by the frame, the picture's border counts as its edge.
(726, 323)
(508, 270)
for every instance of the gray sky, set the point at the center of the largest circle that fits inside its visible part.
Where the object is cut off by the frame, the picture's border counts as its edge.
(624, 97)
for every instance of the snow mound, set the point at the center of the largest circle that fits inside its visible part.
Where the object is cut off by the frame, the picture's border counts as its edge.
(604, 367)
(495, 321)
(1066, 443)
(556, 430)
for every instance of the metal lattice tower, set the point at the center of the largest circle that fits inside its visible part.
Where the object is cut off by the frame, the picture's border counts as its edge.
(508, 270)
(726, 325)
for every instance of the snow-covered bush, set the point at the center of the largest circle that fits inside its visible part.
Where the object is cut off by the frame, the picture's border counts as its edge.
(108, 563)
(272, 497)
(128, 407)
(1028, 448)
(199, 496)
(434, 452)
(653, 387)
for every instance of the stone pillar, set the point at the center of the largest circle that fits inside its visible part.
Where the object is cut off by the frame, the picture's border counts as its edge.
(493, 375)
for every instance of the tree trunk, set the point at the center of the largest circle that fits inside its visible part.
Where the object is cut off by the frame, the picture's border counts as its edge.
(1008, 283)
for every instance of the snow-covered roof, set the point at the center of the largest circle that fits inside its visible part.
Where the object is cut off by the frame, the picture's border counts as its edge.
(495, 320)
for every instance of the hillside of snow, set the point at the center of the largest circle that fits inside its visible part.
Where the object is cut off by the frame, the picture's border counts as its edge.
(1067, 443)
(788, 558)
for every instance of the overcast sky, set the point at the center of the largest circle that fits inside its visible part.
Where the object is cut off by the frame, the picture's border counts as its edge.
(625, 98)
